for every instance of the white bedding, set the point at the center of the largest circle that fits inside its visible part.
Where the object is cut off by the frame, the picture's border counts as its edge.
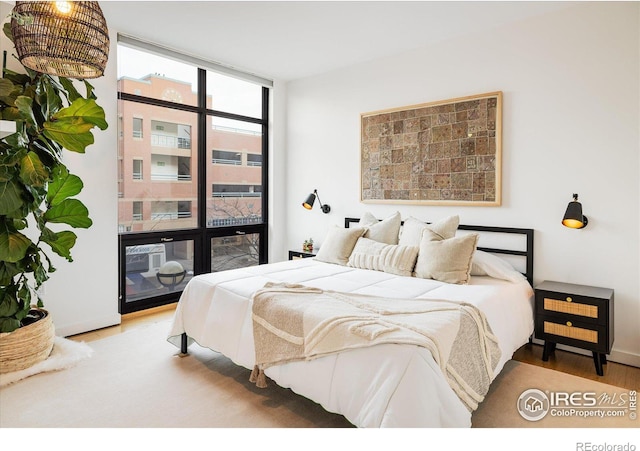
(382, 386)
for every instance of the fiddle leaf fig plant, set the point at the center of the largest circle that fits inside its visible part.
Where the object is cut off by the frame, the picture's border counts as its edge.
(37, 203)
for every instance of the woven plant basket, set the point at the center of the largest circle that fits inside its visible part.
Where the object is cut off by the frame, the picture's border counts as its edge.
(26, 346)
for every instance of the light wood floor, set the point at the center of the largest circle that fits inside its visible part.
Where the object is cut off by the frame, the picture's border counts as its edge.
(615, 374)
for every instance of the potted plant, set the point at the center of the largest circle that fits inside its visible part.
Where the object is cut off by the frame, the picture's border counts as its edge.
(37, 203)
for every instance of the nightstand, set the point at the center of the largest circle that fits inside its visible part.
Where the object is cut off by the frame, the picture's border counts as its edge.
(575, 315)
(302, 254)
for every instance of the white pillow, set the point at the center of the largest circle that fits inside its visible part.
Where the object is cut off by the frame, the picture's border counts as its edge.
(385, 231)
(390, 258)
(486, 264)
(412, 229)
(446, 260)
(338, 244)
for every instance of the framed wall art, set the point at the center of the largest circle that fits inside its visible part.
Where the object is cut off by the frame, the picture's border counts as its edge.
(439, 153)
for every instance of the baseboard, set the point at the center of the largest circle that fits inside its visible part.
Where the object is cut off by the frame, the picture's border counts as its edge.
(94, 324)
(625, 358)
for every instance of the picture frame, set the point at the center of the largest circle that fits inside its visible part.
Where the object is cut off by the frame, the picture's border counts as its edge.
(446, 152)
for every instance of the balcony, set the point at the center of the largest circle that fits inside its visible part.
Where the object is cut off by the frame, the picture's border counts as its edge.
(236, 194)
(171, 177)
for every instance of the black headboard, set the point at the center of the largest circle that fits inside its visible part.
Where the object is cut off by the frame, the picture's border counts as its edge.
(526, 253)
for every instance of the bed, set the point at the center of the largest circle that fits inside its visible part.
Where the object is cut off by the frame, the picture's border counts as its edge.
(389, 384)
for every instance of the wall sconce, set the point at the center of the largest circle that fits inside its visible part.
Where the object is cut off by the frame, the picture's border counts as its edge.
(573, 217)
(308, 204)
(68, 39)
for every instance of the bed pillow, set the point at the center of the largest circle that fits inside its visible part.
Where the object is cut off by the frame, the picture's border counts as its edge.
(412, 229)
(390, 258)
(447, 260)
(338, 244)
(486, 264)
(385, 231)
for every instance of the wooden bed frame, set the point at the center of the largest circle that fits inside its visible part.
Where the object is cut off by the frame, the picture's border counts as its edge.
(526, 252)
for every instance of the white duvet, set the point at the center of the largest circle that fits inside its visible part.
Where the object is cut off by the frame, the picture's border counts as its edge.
(386, 385)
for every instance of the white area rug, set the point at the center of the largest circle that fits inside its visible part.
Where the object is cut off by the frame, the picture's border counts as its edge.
(65, 354)
(139, 380)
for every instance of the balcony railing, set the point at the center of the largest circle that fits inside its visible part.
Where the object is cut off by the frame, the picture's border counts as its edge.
(170, 215)
(226, 161)
(171, 177)
(236, 194)
(234, 221)
(174, 142)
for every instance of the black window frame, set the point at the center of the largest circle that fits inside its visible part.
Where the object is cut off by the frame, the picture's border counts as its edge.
(202, 234)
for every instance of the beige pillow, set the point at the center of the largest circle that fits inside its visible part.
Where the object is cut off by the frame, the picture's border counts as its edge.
(447, 260)
(338, 244)
(385, 231)
(390, 258)
(412, 229)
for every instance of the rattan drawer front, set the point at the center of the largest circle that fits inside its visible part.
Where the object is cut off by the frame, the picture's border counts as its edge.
(573, 308)
(576, 333)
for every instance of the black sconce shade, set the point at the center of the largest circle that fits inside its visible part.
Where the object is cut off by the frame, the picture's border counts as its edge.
(573, 217)
(308, 204)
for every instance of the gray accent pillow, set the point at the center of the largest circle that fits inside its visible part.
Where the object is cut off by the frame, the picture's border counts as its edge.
(446, 260)
(412, 228)
(338, 244)
(385, 231)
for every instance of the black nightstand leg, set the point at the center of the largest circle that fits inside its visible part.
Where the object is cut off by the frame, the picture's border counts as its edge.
(598, 360)
(549, 347)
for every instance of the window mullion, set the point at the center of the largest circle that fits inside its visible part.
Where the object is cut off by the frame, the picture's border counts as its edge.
(203, 191)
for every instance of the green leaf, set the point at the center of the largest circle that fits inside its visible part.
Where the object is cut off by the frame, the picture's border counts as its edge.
(32, 171)
(71, 133)
(90, 93)
(63, 186)
(69, 211)
(51, 101)
(11, 114)
(7, 272)
(6, 87)
(6, 173)
(24, 105)
(8, 325)
(13, 246)
(61, 243)
(87, 109)
(68, 86)
(9, 305)
(6, 28)
(10, 199)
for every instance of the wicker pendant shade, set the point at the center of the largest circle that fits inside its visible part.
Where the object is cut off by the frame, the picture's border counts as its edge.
(68, 39)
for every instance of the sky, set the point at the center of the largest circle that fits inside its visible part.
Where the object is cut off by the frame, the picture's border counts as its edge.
(229, 94)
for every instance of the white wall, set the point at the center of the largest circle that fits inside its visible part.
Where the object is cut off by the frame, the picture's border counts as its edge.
(83, 295)
(570, 125)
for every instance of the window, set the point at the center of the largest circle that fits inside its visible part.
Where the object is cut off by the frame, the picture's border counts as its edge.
(137, 127)
(224, 157)
(236, 190)
(254, 160)
(137, 211)
(205, 152)
(137, 169)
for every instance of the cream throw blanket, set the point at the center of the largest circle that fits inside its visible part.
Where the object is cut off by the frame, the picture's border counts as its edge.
(297, 323)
